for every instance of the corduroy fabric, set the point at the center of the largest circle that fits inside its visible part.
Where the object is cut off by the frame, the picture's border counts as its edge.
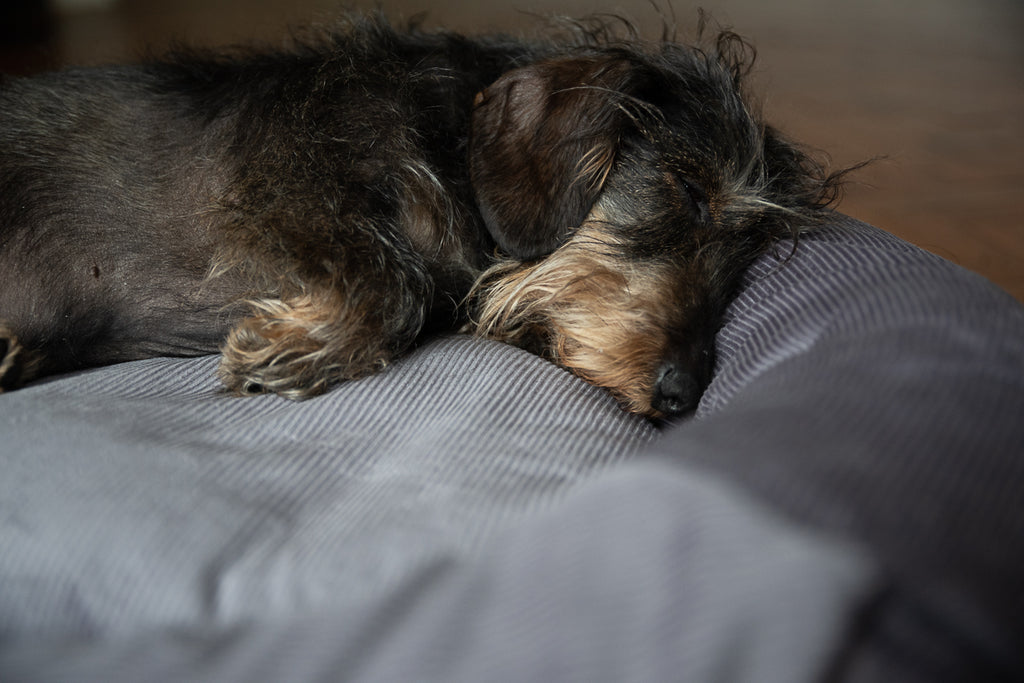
(478, 514)
(285, 502)
(880, 391)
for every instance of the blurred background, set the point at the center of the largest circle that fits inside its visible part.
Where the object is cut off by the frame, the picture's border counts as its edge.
(934, 88)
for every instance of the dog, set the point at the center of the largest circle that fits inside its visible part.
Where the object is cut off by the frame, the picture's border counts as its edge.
(312, 213)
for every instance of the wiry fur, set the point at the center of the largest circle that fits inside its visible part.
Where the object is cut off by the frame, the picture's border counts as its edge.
(688, 186)
(313, 213)
(582, 308)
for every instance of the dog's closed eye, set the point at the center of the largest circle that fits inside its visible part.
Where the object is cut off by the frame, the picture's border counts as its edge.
(694, 193)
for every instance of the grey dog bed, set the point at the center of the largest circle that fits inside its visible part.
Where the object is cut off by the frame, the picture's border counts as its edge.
(845, 505)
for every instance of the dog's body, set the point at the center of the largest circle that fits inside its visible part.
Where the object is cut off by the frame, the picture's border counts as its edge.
(143, 207)
(313, 213)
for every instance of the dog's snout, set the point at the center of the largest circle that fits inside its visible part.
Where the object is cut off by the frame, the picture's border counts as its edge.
(676, 391)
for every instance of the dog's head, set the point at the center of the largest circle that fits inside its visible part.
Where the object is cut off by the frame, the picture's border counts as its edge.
(628, 189)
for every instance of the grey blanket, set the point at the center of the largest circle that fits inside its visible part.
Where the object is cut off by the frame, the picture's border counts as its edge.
(845, 505)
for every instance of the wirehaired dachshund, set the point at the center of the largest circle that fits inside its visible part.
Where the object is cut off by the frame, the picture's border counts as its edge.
(314, 212)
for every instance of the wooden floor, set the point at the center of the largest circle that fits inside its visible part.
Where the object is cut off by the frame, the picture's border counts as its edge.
(934, 88)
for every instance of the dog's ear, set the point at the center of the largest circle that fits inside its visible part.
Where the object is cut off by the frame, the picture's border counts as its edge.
(542, 143)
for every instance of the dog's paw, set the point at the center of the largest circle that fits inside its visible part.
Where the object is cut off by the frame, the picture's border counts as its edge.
(17, 364)
(298, 348)
(6, 358)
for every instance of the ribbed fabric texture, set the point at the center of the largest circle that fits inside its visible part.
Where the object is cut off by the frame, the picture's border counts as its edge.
(476, 513)
(641, 574)
(148, 465)
(876, 392)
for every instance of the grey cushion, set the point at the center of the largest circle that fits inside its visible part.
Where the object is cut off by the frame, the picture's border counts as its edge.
(141, 495)
(876, 392)
(478, 514)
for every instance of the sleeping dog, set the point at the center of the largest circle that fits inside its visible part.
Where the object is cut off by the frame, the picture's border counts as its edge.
(314, 212)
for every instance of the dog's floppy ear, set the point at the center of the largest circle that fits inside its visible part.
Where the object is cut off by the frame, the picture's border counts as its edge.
(543, 140)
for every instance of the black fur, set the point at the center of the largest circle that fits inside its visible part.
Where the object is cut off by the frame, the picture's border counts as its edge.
(313, 212)
(124, 188)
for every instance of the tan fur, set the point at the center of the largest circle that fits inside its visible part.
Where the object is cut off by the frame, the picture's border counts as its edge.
(595, 166)
(17, 354)
(300, 346)
(604, 319)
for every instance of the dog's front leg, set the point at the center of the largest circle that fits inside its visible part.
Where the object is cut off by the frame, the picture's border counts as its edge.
(298, 346)
(346, 316)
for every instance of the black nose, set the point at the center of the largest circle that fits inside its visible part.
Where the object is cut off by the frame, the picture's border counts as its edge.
(676, 391)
